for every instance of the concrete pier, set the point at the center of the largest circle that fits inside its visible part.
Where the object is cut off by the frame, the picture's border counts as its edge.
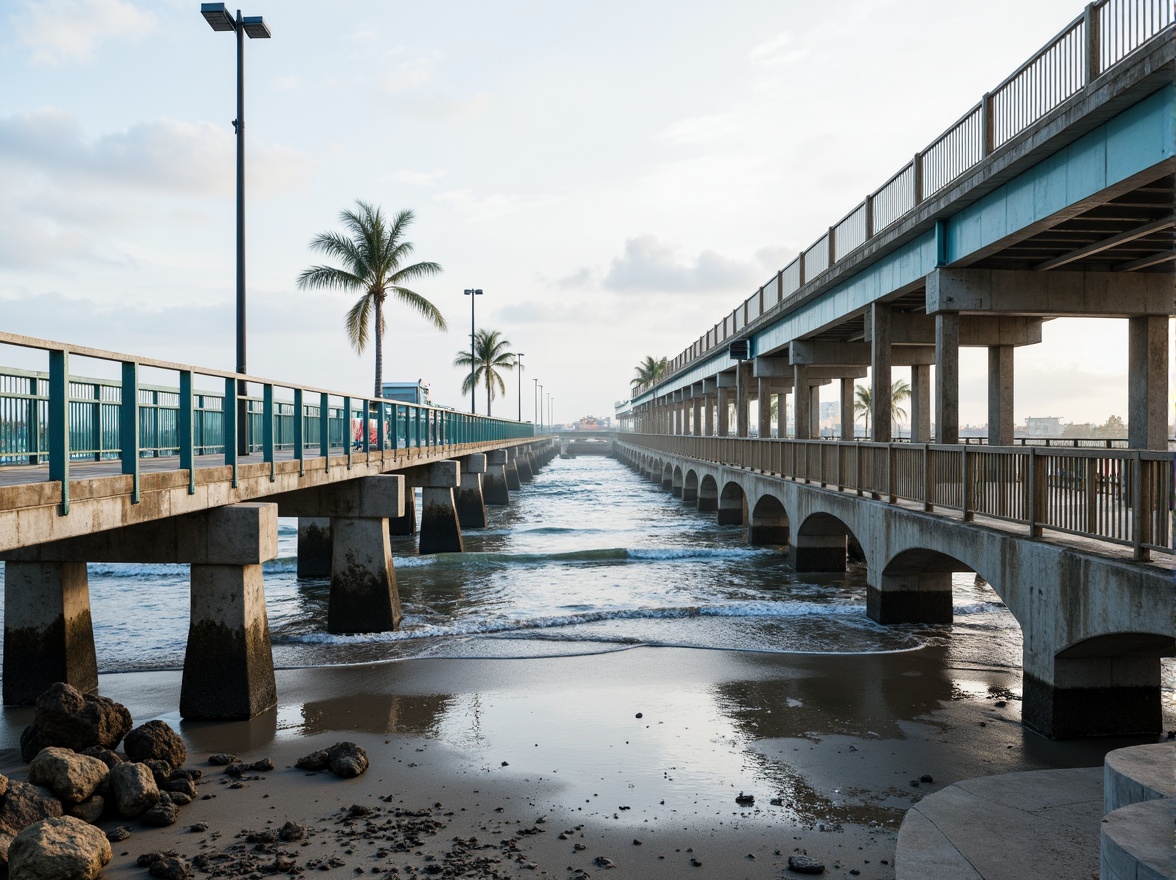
(471, 506)
(513, 483)
(440, 530)
(314, 546)
(494, 488)
(405, 524)
(523, 464)
(910, 597)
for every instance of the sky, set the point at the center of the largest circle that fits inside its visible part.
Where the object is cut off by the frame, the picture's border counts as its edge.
(616, 176)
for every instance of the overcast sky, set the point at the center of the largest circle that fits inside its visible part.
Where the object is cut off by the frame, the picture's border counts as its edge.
(615, 176)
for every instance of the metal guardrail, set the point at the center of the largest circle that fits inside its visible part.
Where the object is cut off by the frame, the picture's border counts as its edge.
(55, 418)
(1121, 496)
(1106, 33)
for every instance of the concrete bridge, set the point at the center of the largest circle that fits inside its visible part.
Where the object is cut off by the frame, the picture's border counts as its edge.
(96, 470)
(573, 443)
(1052, 196)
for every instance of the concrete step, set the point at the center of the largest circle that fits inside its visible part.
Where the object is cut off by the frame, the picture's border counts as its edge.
(1137, 774)
(1136, 842)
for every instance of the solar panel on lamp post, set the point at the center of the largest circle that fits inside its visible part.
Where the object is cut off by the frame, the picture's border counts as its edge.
(255, 28)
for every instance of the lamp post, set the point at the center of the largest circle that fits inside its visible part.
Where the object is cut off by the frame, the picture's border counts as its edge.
(473, 295)
(255, 28)
(550, 420)
(535, 410)
(519, 364)
(540, 409)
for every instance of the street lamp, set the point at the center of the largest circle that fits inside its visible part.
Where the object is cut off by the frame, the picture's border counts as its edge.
(473, 295)
(255, 28)
(540, 409)
(535, 411)
(519, 364)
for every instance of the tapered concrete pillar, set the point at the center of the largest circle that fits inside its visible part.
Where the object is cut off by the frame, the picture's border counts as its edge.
(921, 404)
(513, 483)
(228, 667)
(471, 506)
(910, 597)
(405, 524)
(363, 585)
(724, 411)
(1148, 406)
(314, 546)
(848, 415)
(880, 373)
(48, 634)
(947, 377)
(494, 487)
(1000, 395)
(696, 421)
(802, 403)
(523, 465)
(764, 392)
(440, 530)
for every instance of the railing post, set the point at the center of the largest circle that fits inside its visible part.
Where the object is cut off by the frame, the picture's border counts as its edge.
(1093, 54)
(96, 422)
(966, 466)
(987, 130)
(1036, 508)
(832, 246)
(187, 434)
(917, 178)
(128, 425)
(33, 421)
(928, 478)
(299, 432)
(891, 455)
(348, 441)
(59, 424)
(267, 427)
(325, 430)
(1141, 510)
(231, 417)
(869, 208)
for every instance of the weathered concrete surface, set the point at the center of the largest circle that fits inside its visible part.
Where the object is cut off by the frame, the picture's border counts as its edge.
(363, 594)
(405, 524)
(471, 506)
(513, 483)
(381, 496)
(1137, 774)
(1043, 823)
(494, 487)
(1094, 625)
(314, 546)
(48, 634)
(1135, 842)
(228, 667)
(440, 530)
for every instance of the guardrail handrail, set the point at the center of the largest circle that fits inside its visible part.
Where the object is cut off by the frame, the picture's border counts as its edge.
(1121, 496)
(1106, 33)
(59, 418)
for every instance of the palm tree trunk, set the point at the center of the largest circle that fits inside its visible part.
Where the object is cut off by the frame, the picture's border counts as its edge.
(379, 349)
(488, 398)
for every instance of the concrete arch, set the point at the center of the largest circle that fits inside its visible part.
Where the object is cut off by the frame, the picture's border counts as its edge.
(690, 487)
(676, 482)
(915, 587)
(732, 505)
(768, 523)
(667, 475)
(821, 543)
(708, 493)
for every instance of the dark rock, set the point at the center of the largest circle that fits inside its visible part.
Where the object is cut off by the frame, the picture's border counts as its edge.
(119, 834)
(291, 831)
(926, 777)
(179, 798)
(161, 770)
(25, 804)
(695, 862)
(103, 754)
(133, 788)
(220, 759)
(319, 760)
(603, 862)
(181, 785)
(198, 828)
(67, 718)
(61, 848)
(805, 865)
(90, 810)
(3, 785)
(192, 774)
(745, 800)
(149, 858)
(162, 814)
(155, 740)
(170, 868)
(70, 776)
(262, 766)
(347, 759)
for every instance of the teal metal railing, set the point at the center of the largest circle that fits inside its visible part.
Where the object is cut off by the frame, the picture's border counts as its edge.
(54, 418)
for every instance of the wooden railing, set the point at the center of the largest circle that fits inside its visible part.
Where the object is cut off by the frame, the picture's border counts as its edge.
(1118, 495)
(1105, 34)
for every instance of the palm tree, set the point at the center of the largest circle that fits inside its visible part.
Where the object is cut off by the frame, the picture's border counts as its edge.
(373, 260)
(862, 400)
(491, 354)
(649, 371)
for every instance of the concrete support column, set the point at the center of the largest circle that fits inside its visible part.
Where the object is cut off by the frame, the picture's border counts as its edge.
(1000, 395)
(910, 597)
(440, 530)
(708, 421)
(947, 377)
(690, 493)
(1092, 696)
(228, 667)
(363, 585)
(1148, 407)
(405, 524)
(814, 393)
(471, 506)
(513, 483)
(523, 465)
(880, 363)
(697, 418)
(764, 392)
(314, 546)
(921, 404)
(730, 511)
(742, 398)
(48, 634)
(768, 529)
(676, 484)
(802, 403)
(782, 413)
(708, 497)
(848, 414)
(494, 487)
(724, 406)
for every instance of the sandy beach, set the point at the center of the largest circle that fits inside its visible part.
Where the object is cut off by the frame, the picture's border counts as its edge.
(543, 766)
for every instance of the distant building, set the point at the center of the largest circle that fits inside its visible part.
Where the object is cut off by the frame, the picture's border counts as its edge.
(1043, 426)
(592, 423)
(407, 392)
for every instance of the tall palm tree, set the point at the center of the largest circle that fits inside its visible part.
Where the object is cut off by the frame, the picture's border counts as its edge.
(649, 371)
(491, 354)
(373, 254)
(862, 399)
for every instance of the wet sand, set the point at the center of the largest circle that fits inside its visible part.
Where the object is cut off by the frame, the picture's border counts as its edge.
(537, 757)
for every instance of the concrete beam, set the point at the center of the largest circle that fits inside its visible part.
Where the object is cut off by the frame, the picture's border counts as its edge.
(1055, 294)
(726, 380)
(371, 497)
(975, 331)
(820, 354)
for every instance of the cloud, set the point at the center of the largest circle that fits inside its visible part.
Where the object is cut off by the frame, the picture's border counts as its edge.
(576, 279)
(779, 51)
(650, 265)
(492, 207)
(60, 31)
(419, 178)
(408, 69)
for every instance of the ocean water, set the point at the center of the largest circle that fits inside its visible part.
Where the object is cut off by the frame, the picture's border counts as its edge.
(588, 558)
